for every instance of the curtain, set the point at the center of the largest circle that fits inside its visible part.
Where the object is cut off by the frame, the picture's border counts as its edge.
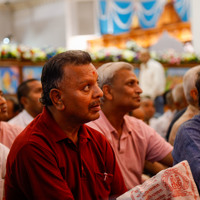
(182, 7)
(115, 16)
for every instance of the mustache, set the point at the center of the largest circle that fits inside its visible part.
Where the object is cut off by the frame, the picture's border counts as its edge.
(95, 103)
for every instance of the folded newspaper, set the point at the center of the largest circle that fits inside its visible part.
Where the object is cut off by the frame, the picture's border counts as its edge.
(175, 183)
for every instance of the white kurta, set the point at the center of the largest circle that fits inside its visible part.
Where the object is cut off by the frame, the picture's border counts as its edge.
(152, 79)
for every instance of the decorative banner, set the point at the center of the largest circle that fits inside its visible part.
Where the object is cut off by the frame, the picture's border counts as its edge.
(183, 9)
(115, 16)
(149, 11)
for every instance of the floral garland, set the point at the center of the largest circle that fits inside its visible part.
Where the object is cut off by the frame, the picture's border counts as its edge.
(129, 54)
(21, 52)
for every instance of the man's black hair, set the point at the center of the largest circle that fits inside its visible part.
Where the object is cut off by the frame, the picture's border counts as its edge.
(23, 90)
(52, 72)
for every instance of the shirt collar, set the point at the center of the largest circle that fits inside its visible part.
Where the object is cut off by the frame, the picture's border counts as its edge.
(111, 129)
(54, 130)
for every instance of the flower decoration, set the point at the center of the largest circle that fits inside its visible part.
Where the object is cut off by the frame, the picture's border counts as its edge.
(110, 54)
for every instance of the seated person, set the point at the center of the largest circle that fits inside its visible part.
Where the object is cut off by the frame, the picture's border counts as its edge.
(13, 107)
(191, 95)
(57, 156)
(137, 113)
(147, 105)
(180, 104)
(3, 158)
(8, 132)
(133, 141)
(28, 94)
(187, 142)
(161, 124)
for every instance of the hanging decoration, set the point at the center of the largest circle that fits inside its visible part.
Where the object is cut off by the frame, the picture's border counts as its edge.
(182, 7)
(115, 16)
(149, 11)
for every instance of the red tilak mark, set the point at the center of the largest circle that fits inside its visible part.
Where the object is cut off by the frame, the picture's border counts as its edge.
(93, 72)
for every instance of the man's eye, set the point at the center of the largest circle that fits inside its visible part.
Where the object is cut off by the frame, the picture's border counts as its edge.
(130, 83)
(86, 88)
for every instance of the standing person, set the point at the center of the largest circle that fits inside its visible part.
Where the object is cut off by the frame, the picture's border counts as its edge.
(133, 141)
(57, 156)
(152, 80)
(28, 94)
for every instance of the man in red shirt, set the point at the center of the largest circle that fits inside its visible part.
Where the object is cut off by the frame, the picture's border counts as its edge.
(57, 156)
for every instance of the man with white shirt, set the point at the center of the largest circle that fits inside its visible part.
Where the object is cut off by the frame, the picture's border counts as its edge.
(152, 79)
(28, 94)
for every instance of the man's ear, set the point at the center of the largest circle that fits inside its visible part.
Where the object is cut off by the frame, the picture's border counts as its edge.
(23, 101)
(55, 96)
(194, 94)
(107, 92)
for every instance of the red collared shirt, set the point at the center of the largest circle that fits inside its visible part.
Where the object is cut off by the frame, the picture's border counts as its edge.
(44, 164)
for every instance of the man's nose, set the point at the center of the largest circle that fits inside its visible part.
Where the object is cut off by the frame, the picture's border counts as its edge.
(2, 100)
(98, 92)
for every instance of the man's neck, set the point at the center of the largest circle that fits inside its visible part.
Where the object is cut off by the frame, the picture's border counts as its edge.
(115, 117)
(70, 129)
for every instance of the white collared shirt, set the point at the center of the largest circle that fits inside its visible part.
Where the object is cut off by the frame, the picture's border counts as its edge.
(22, 119)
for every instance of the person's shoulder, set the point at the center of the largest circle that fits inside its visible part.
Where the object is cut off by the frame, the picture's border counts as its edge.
(190, 125)
(137, 126)
(97, 137)
(133, 121)
(93, 132)
(187, 132)
(15, 119)
(155, 63)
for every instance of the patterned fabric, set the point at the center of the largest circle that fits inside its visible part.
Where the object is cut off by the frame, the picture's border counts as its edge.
(173, 183)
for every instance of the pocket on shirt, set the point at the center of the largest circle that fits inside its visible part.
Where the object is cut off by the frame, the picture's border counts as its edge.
(103, 184)
(104, 178)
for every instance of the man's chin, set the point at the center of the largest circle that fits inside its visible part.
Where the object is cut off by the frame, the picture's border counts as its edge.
(96, 116)
(93, 117)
